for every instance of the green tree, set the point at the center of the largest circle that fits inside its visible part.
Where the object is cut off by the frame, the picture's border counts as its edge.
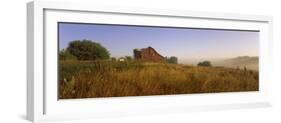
(205, 64)
(88, 50)
(172, 60)
(66, 55)
(129, 58)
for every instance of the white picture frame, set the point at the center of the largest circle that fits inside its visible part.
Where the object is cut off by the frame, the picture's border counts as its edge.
(42, 102)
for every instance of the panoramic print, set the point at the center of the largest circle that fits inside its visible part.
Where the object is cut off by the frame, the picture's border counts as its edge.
(106, 60)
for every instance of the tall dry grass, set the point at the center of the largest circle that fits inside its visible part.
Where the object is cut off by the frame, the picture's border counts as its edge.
(88, 79)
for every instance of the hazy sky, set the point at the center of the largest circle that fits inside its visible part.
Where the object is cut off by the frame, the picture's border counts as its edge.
(183, 43)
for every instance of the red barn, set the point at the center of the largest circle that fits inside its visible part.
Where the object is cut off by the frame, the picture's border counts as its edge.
(148, 54)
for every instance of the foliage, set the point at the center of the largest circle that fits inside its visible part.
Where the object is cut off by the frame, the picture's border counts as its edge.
(129, 58)
(172, 60)
(88, 50)
(105, 78)
(113, 59)
(205, 64)
(66, 55)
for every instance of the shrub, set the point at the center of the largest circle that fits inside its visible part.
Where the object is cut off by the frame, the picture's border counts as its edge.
(205, 64)
(129, 58)
(113, 59)
(88, 50)
(172, 60)
(66, 55)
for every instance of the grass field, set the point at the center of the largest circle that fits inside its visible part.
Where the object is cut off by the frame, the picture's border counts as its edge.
(90, 79)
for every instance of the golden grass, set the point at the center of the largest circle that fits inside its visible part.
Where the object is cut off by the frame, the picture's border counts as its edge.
(88, 79)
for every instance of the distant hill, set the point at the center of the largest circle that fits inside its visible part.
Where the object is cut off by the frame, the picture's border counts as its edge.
(239, 62)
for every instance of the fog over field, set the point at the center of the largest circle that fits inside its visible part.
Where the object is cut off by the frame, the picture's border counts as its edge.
(250, 62)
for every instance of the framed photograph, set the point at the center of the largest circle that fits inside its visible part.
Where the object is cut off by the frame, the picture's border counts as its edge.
(92, 61)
